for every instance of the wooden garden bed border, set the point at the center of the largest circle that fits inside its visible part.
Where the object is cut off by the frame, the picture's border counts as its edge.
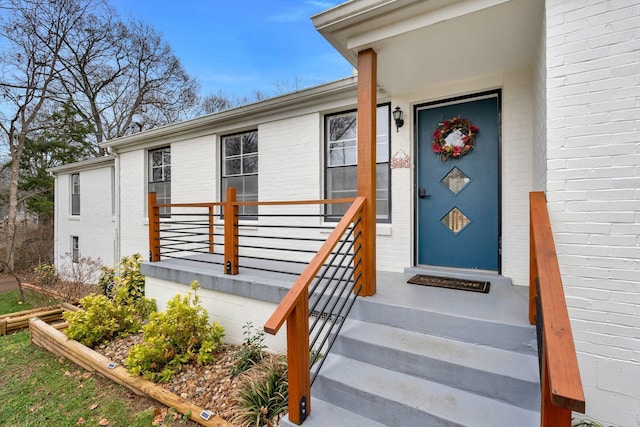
(11, 322)
(51, 339)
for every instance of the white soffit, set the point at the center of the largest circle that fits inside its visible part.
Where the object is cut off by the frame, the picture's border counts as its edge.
(432, 42)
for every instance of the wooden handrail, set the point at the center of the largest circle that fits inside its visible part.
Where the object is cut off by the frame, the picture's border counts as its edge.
(560, 377)
(294, 309)
(277, 319)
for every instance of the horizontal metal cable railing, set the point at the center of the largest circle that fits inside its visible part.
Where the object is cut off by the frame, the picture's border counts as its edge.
(291, 238)
(317, 305)
(277, 237)
(190, 229)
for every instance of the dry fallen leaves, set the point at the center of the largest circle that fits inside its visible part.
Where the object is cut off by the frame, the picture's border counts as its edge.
(103, 422)
(93, 406)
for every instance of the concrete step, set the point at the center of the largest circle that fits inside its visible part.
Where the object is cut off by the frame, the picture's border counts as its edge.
(497, 319)
(507, 376)
(397, 399)
(324, 414)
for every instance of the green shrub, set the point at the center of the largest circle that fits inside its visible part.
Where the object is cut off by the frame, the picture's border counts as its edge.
(179, 335)
(251, 352)
(130, 277)
(119, 311)
(47, 275)
(106, 281)
(103, 319)
(262, 398)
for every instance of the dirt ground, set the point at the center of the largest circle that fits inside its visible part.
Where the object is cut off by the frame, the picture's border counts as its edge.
(7, 283)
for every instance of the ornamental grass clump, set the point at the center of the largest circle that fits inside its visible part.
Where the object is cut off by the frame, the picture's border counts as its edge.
(262, 398)
(179, 335)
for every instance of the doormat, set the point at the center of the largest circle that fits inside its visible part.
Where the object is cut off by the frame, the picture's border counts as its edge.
(450, 283)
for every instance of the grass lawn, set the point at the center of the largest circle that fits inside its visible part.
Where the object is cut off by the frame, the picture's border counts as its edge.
(41, 389)
(9, 301)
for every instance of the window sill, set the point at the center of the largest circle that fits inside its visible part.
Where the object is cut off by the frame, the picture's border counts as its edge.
(73, 217)
(383, 229)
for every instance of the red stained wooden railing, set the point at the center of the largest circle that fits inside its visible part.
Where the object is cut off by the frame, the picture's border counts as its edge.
(561, 386)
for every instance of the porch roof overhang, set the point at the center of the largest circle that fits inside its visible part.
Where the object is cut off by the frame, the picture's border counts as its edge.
(422, 43)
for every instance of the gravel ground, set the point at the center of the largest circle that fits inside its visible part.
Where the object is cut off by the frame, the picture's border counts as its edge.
(211, 387)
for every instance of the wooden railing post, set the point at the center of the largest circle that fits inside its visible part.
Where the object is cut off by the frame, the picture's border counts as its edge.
(298, 360)
(551, 415)
(367, 100)
(211, 229)
(231, 232)
(154, 227)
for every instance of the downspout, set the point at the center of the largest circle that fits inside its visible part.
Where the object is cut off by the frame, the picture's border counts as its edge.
(56, 219)
(116, 197)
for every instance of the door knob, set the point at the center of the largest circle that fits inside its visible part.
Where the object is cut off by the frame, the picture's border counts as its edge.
(422, 193)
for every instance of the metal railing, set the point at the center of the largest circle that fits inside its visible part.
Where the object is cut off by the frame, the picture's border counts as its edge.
(278, 237)
(326, 291)
(561, 386)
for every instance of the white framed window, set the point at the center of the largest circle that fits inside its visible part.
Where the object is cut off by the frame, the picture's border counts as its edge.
(160, 177)
(75, 249)
(240, 168)
(75, 194)
(341, 164)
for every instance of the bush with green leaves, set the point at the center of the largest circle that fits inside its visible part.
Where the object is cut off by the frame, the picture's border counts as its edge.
(103, 319)
(262, 398)
(179, 335)
(252, 350)
(106, 281)
(130, 276)
(47, 275)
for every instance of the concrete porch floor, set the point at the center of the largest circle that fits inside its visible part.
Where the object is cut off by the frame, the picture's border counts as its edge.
(505, 303)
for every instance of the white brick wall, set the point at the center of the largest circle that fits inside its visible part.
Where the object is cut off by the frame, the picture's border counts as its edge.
(517, 141)
(195, 170)
(95, 226)
(594, 192)
(539, 153)
(133, 199)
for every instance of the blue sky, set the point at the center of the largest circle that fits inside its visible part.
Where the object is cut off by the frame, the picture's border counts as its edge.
(239, 46)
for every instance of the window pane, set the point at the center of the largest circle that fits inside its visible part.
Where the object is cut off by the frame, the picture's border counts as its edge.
(342, 126)
(240, 168)
(250, 164)
(157, 175)
(382, 190)
(382, 120)
(342, 182)
(232, 167)
(251, 188)
(167, 173)
(232, 145)
(341, 176)
(382, 149)
(75, 204)
(250, 143)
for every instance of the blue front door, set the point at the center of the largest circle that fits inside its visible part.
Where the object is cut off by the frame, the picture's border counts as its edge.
(458, 199)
